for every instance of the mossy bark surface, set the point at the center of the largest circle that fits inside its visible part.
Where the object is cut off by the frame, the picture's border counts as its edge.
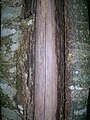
(77, 39)
(16, 62)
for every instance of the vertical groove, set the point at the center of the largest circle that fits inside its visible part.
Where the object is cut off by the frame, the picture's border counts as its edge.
(60, 51)
(45, 64)
(64, 61)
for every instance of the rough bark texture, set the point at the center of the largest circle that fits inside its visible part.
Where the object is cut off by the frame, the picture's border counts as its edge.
(28, 8)
(77, 54)
(30, 69)
(16, 61)
(46, 67)
(62, 54)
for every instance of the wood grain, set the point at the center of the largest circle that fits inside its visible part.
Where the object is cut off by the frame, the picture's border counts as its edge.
(46, 67)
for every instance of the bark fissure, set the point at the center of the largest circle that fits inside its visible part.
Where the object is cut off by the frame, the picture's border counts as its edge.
(45, 63)
(60, 51)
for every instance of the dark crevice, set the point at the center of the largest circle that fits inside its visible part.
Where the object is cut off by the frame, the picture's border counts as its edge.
(88, 5)
(88, 106)
(29, 7)
(60, 51)
(64, 110)
(0, 26)
(45, 68)
(88, 101)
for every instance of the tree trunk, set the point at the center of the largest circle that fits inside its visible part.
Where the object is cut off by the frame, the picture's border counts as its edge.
(45, 65)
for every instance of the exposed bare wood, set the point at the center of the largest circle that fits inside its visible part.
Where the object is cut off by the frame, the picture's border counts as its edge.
(46, 67)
